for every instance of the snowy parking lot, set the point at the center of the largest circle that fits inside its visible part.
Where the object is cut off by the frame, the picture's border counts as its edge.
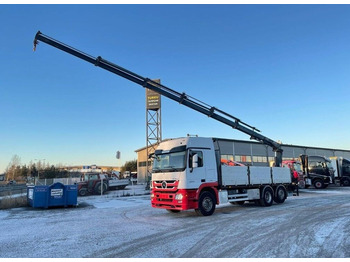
(314, 224)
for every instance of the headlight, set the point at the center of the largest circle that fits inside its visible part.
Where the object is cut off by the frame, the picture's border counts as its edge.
(178, 197)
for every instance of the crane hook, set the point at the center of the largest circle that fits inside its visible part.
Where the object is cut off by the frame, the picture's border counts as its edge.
(35, 43)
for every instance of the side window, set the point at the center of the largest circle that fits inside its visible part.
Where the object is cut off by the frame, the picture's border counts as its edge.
(312, 164)
(200, 158)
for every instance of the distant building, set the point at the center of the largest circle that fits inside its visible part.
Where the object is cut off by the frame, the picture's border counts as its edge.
(91, 169)
(2, 177)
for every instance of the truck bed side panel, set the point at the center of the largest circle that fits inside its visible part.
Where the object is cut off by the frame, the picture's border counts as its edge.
(260, 175)
(234, 175)
(281, 175)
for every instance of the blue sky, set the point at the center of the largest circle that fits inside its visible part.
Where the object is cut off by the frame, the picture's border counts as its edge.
(282, 68)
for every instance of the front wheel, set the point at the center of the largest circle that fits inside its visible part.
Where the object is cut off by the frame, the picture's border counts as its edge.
(82, 192)
(206, 204)
(318, 184)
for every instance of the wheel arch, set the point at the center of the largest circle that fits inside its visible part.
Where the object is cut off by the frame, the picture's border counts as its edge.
(210, 187)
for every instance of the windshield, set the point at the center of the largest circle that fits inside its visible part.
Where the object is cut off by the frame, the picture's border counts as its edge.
(169, 162)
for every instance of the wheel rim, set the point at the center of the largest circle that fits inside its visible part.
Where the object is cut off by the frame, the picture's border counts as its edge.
(268, 196)
(207, 204)
(281, 194)
(318, 184)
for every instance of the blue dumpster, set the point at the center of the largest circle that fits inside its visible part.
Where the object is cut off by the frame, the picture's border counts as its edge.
(56, 194)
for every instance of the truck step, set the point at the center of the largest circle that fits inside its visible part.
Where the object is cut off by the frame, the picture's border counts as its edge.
(238, 195)
(238, 199)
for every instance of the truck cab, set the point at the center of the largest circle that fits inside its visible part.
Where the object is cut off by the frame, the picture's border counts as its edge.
(181, 167)
(320, 171)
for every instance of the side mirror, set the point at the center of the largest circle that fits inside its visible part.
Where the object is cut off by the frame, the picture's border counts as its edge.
(195, 161)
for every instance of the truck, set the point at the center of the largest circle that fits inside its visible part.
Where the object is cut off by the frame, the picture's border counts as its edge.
(188, 174)
(341, 167)
(117, 183)
(318, 170)
(204, 192)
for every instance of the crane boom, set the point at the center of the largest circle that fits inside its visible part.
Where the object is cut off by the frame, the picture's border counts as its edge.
(181, 98)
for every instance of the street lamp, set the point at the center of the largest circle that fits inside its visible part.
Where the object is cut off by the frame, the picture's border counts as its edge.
(39, 160)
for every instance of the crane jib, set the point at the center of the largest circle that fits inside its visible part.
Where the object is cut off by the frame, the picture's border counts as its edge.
(181, 98)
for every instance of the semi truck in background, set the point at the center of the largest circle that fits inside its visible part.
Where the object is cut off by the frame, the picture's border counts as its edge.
(318, 170)
(341, 170)
(188, 174)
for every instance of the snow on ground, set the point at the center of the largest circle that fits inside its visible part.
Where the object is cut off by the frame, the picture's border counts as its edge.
(122, 224)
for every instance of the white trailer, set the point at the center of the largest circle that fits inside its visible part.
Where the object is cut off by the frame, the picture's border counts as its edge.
(341, 168)
(188, 174)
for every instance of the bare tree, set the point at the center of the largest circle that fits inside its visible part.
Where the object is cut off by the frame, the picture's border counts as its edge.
(13, 167)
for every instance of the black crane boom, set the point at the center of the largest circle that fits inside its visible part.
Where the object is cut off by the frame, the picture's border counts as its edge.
(181, 98)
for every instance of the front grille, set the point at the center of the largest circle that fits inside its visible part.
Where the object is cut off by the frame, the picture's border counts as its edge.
(165, 184)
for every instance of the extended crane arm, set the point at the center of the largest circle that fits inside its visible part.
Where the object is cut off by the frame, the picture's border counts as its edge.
(181, 98)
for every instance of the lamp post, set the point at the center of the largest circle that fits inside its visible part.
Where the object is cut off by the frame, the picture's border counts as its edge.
(39, 168)
(118, 155)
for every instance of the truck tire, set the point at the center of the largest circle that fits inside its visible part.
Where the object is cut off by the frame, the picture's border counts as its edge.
(83, 192)
(266, 197)
(206, 204)
(346, 182)
(301, 184)
(280, 194)
(97, 188)
(318, 184)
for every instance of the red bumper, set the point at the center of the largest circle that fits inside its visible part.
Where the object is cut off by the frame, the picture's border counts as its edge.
(169, 197)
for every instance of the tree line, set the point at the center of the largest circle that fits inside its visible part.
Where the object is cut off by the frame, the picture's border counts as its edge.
(16, 171)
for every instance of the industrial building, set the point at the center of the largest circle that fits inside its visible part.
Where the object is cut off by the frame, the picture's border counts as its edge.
(250, 153)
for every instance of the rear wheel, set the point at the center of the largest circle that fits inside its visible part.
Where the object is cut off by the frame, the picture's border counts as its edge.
(206, 204)
(82, 192)
(280, 194)
(266, 197)
(98, 188)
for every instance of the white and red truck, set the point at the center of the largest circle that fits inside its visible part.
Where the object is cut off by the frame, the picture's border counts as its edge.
(188, 174)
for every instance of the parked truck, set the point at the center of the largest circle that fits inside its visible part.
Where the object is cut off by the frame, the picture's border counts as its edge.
(341, 170)
(188, 174)
(318, 170)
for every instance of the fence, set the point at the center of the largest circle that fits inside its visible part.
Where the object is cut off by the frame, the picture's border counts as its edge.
(10, 190)
(64, 181)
